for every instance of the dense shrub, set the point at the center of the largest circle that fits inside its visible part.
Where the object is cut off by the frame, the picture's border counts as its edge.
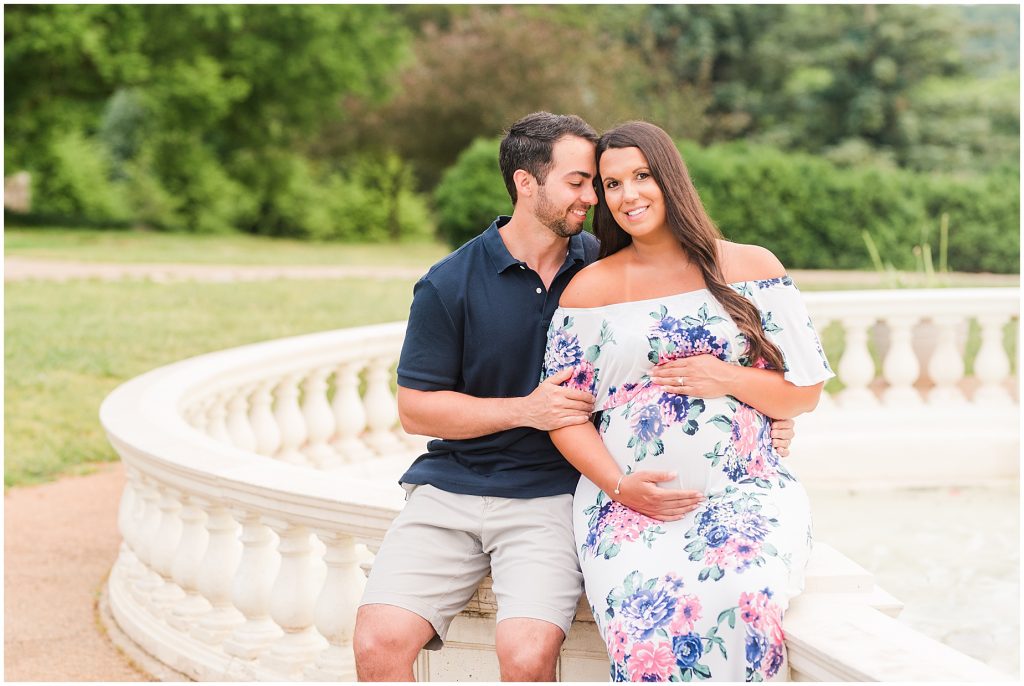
(370, 199)
(207, 199)
(374, 199)
(72, 179)
(812, 214)
(808, 211)
(984, 216)
(471, 193)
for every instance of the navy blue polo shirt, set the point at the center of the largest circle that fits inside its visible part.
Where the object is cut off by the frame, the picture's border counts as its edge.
(478, 325)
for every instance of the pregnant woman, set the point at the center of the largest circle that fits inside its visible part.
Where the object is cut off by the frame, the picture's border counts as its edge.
(695, 589)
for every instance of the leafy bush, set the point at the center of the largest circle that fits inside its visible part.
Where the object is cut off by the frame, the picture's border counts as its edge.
(72, 179)
(807, 210)
(208, 198)
(812, 213)
(471, 193)
(374, 200)
(370, 200)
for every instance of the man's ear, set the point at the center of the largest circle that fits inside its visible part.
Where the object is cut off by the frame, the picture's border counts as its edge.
(525, 183)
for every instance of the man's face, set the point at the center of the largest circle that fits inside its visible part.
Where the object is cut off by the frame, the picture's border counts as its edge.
(568, 191)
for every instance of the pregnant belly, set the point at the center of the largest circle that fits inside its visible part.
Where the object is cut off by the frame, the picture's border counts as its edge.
(707, 441)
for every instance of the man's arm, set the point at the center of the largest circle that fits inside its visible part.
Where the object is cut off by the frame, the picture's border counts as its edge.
(453, 415)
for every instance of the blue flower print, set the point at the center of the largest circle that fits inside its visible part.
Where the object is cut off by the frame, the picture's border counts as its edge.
(647, 610)
(647, 424)
(563, 350)
(757, 645)
(687, 649)
(717, 536)
(682, 409)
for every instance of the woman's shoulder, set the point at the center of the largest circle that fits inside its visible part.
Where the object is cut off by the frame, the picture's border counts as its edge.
(594, 285)
(743, 262)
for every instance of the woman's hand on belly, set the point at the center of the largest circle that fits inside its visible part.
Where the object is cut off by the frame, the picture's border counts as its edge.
(700, 376)
(640, 491)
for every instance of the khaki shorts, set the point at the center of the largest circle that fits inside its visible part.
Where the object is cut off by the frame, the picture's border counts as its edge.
(441, 546)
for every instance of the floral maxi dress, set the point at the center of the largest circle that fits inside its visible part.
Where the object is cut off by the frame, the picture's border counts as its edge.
(702, 597)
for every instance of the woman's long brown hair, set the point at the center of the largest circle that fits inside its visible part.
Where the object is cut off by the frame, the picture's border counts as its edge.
(689, 223)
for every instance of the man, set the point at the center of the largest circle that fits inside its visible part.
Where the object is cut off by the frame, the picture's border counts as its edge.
(494, 493)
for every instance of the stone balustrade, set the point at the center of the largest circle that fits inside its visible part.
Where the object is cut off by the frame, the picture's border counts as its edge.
(260, 481)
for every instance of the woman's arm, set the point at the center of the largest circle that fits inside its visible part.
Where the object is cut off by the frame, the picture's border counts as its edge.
(583, 448)
(706, 376)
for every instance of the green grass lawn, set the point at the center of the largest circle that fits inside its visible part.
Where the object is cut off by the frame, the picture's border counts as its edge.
(148, 246)
(68, 345)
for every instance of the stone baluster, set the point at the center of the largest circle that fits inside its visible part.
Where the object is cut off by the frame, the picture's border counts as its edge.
(856, 368)
(195, 415)
(349, 414)
(336, 609)
(991, 366)
(825, 402)
(187, 563)
(946, 366)
(381, 407)
(128, 520)
(319, 420)
(146, 580)
(290, 421)
(252, 590)
(239, 429)
(263, 421)
(137, 528)
(216, 416)
(216, 576)
(168, 539)
(292, 603)
(900, 368)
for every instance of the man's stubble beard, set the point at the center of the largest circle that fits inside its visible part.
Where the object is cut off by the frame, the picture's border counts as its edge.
(548, 215)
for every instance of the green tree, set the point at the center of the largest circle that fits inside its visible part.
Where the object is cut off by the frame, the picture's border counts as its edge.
(479, 70)
(186, 97)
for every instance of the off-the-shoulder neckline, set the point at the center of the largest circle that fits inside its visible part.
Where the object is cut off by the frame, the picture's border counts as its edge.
(775, 280)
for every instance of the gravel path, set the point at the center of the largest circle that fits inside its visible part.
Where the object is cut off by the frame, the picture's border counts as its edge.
(30, 269)
(60, 540)
(24, 269)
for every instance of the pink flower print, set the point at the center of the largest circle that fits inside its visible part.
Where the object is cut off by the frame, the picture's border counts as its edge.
(757, 467)
(688, 612)
(746, 428)
(583, 378)
(651, 660)
(719, 556)
(742, 551)
(750, 609)
(621, 396)
(773, 623)
(625, 524)
(616, 642)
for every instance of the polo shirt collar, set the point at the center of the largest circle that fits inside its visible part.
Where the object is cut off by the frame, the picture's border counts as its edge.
(502, 259)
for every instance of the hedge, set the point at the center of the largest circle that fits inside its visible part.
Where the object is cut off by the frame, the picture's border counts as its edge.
(809, 212)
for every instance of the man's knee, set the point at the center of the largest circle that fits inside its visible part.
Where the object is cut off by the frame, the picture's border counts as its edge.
(528, 652)
(388, 638)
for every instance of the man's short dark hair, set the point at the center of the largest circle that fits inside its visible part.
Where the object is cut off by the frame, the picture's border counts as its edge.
(528, 143)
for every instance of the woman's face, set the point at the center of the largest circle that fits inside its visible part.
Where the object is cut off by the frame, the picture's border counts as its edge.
(633, 196)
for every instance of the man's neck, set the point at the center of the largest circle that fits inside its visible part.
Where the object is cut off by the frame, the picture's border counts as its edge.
(531, 242)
